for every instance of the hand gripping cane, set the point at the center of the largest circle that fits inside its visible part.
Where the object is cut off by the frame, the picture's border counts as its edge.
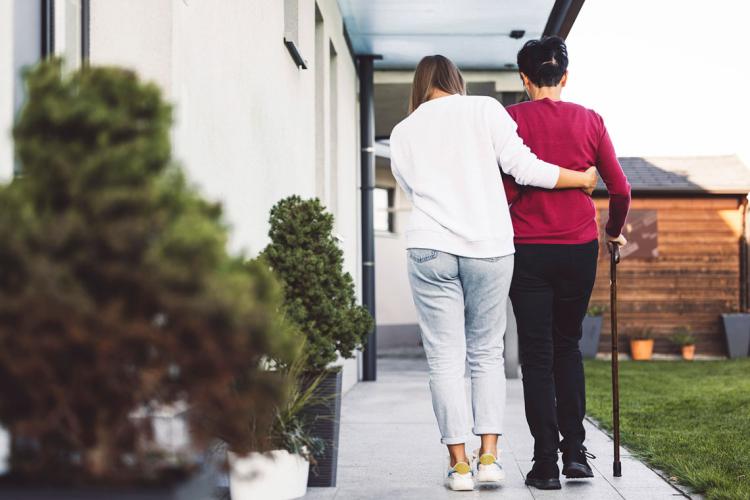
(614, 253)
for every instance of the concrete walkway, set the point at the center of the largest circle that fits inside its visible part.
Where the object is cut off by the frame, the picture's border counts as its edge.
(390, 449)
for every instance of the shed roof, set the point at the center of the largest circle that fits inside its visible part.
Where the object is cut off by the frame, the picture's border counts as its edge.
(686, 175)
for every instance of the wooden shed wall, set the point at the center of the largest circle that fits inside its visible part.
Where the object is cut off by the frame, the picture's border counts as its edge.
(695, 278)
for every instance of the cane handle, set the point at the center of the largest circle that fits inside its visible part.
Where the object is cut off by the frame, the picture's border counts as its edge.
(614, 249)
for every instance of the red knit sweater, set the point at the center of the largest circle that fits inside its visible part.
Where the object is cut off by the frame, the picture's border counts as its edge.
(574, 137)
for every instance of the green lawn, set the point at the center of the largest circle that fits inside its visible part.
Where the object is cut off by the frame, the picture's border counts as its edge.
(689, 419)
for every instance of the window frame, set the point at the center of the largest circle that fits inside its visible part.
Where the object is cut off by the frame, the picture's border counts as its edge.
(390, 207)
(48, 29)
(85, 32)
(48, 48)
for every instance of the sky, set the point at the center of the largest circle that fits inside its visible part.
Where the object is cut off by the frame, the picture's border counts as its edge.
(670, 77)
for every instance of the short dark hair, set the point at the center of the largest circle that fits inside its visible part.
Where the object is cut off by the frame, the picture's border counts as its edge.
(544, 61)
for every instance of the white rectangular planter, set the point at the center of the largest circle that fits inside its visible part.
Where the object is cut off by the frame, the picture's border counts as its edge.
(277, 475)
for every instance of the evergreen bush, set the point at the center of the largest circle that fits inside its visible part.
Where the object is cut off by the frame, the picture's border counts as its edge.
(319, 295)
(683, 336)
(116, 291)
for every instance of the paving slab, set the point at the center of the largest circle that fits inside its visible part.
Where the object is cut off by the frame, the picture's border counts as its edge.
(390, 449)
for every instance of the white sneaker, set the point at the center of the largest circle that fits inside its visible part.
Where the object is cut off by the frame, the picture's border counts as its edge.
(488, 469)
(460, 477)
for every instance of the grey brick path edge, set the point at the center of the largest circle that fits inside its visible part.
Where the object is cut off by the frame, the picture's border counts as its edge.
(390, 449)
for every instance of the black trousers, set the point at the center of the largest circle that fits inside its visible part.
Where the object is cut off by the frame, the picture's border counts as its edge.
(550, 292)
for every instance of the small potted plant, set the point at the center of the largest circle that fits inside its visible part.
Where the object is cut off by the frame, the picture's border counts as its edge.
(737, 333)
(591, 331)
(641, 344)
(683, 338)
(320, 299)
(282, 471)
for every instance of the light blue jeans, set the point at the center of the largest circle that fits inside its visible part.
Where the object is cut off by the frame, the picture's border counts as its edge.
(461, 305)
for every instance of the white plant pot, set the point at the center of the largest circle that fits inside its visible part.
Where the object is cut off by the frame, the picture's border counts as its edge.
(277, 475)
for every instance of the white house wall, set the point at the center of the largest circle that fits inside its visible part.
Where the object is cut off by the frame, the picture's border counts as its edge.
(6, 89)
(246, 119)
(135, 34)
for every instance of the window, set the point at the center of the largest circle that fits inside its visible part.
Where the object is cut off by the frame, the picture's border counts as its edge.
(321, 105)
(42, 29)
(383, 204)
(69, 32)
(47, 17)
(333, 133)
(65, 30)
(20, 29)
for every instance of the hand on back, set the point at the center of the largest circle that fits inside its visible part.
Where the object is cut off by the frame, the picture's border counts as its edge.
(592, 180)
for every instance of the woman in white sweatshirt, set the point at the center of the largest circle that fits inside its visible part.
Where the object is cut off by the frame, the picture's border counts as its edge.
(447, 155)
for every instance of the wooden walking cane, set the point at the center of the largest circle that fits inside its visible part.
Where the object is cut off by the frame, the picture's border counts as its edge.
(614, 253)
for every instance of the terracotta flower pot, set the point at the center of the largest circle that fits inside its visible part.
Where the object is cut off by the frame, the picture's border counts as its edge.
(641, 349)
(688, 352)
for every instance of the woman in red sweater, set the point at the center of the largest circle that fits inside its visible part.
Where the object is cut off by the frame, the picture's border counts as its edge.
(557, 245)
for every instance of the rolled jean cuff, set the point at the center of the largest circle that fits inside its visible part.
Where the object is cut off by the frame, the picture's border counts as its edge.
(478, 431)
(454, 440)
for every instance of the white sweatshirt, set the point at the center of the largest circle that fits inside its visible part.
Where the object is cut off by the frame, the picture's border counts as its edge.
(445, 156)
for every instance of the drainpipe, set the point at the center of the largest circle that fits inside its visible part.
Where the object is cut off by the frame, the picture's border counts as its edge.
(367, 140)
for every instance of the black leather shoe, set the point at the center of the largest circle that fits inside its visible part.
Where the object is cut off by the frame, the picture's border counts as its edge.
(575, 463)
(544, 476)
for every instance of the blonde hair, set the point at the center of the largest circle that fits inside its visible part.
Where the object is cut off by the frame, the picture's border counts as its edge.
(435, 72)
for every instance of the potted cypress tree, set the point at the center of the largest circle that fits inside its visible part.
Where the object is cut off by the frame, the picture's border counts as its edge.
(591, 331)
(118, 299)
(683, 339)
(320, 299)
(737, 333)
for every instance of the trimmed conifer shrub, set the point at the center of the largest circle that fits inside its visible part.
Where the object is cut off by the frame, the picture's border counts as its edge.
(319, 295)
(116, 290)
